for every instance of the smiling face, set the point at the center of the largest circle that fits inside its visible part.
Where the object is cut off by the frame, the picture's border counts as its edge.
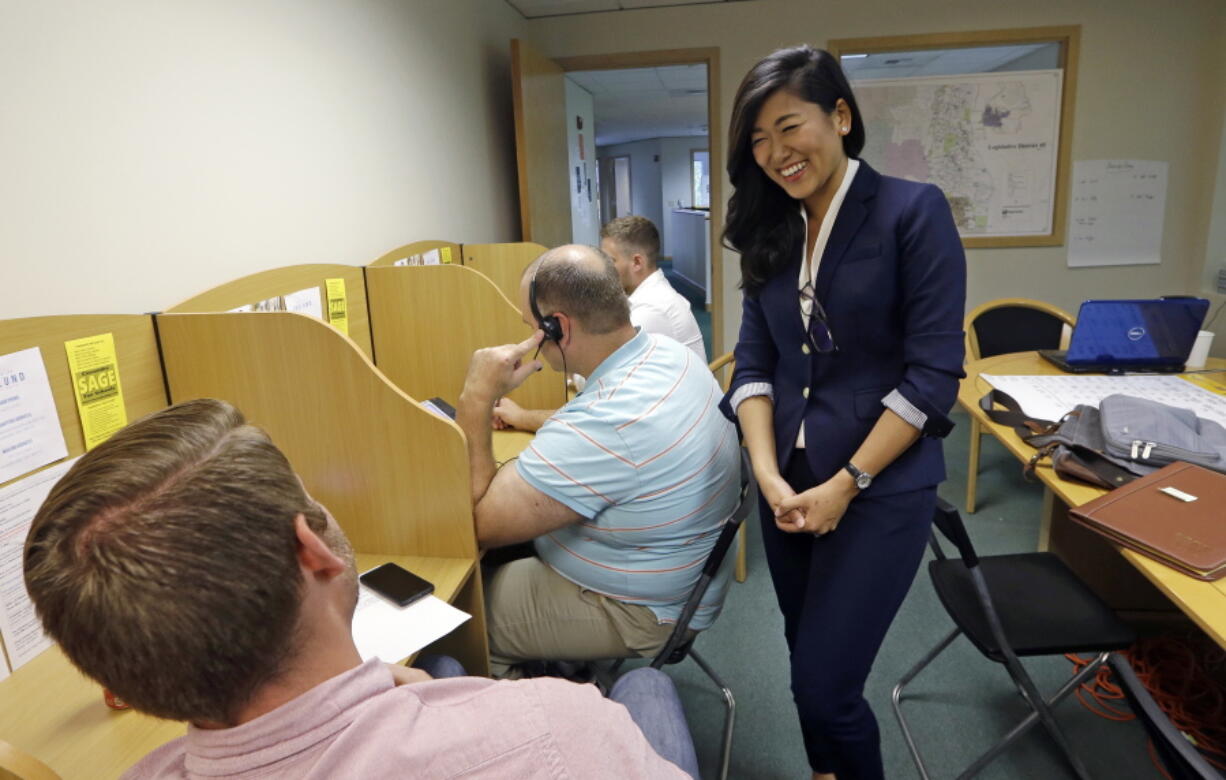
(800, 147)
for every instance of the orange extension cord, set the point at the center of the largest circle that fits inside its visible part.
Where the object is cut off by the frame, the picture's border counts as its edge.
(1176, 671)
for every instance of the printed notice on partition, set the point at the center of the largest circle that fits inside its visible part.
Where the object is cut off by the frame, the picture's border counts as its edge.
(1117, 212)
(30, 434)
(338, 305)
(95, 381)
(23, 634)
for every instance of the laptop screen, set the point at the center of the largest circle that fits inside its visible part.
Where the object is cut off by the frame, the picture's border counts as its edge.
(1136, 332)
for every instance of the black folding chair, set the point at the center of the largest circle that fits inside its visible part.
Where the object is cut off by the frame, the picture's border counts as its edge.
(680, 644)
(1181, 760)
(1012, 606)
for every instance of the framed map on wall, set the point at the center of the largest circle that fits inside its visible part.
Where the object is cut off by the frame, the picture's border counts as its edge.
(984, 116)
(987, 140)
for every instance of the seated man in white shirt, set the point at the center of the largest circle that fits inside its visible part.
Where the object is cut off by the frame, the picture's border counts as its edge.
(633, 243)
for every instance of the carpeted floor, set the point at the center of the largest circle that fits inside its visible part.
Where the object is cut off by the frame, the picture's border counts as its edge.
(958, 706)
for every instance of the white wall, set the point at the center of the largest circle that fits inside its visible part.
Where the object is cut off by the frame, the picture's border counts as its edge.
(658, 186)
(645, 193)
(152, 150)
(1149, 87)
(584, 217)
(676, 182)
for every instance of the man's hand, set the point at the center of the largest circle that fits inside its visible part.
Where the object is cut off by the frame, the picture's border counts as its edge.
(508, 414)
(495, 371)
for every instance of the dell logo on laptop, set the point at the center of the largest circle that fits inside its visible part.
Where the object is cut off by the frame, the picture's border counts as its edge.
(1136, 333)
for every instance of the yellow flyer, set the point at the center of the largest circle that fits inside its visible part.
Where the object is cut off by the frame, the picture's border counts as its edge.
(338, 307)
(445, 252)
(95, 382)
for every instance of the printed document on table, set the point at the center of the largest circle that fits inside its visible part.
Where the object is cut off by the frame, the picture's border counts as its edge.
(305, 302)
(22, 633)
(1051, 396)
(30, 434)
(391, 633)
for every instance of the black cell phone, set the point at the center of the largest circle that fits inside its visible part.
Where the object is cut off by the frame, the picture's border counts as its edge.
(397, 584)
(440, 407)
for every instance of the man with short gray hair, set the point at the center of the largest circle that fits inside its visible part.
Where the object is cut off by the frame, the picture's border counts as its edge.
(623, 490)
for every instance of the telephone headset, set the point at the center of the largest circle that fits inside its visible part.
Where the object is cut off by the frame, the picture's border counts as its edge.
(551, 326)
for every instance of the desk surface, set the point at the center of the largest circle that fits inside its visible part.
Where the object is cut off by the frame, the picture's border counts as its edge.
(1204, 602)
(52, 711)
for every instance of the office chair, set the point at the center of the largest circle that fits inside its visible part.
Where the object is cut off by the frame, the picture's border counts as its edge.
(19, 765)
(680, 644)
(1002, 326)
(727, 363)
(1010, 607)
(1180, 759)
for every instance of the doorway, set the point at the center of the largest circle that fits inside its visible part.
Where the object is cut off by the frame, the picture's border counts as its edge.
(594, 191)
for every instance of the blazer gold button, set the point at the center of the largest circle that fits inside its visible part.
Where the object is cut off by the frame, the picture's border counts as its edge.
(804, 348)
(805, 392)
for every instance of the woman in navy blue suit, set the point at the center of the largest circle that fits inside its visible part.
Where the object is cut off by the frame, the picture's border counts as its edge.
(847, 364)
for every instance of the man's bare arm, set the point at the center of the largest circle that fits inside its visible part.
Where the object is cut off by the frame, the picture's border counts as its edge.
(512, 511)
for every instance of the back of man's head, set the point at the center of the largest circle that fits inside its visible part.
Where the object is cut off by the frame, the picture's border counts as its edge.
(634, 234)
(582, 282)
(164, 562)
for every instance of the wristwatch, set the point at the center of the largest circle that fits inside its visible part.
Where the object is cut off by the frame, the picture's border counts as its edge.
(863, 478)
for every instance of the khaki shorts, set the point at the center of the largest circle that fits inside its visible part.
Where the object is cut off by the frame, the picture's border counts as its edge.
(534, 613)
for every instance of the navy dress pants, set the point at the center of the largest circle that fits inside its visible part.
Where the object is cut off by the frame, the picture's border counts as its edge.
(838, 594)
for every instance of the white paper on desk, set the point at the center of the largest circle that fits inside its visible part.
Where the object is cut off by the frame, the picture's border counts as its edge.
(305, 302)
(431, 257)
(30, 434)
(19, 627)
(390, 633)
(1051, 396)
(1117, 212)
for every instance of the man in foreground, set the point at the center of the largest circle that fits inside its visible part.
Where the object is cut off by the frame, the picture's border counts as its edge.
(182, 565)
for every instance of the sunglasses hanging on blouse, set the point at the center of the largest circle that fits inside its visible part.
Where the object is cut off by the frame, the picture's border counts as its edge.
(818, 332)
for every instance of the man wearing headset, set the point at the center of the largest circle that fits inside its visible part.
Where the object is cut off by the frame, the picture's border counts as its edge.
(622, 491)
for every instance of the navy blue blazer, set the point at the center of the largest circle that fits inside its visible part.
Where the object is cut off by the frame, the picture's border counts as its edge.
(892, 280)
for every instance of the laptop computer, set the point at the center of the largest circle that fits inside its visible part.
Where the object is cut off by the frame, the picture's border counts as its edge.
(1113, 337)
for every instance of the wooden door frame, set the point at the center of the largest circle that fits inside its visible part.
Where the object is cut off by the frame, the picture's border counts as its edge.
(708, 56)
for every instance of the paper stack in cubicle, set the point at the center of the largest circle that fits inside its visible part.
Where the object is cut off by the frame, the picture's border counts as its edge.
(390, 633)
(1173, 515)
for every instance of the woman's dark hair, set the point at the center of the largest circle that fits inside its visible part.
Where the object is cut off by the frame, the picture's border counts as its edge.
(763, 222)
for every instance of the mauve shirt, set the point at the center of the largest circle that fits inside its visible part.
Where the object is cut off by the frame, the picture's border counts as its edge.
(359, 724)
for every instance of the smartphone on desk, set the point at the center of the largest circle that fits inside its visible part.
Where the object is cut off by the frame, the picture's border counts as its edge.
(396, 584)
(440, 407)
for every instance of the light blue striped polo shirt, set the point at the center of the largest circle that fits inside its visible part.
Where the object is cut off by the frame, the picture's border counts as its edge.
(645, 455)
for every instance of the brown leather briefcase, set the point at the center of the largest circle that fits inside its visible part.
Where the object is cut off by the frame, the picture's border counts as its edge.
(1176, 515)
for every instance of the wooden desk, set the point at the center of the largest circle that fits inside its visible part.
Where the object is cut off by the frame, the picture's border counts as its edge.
(52, 711)
(1095, 559)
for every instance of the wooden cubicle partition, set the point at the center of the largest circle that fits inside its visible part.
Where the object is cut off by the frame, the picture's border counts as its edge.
(504, 264)
(280, 281)
(426, 321)
(47, 708)
(417, 248)
(394, 475)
